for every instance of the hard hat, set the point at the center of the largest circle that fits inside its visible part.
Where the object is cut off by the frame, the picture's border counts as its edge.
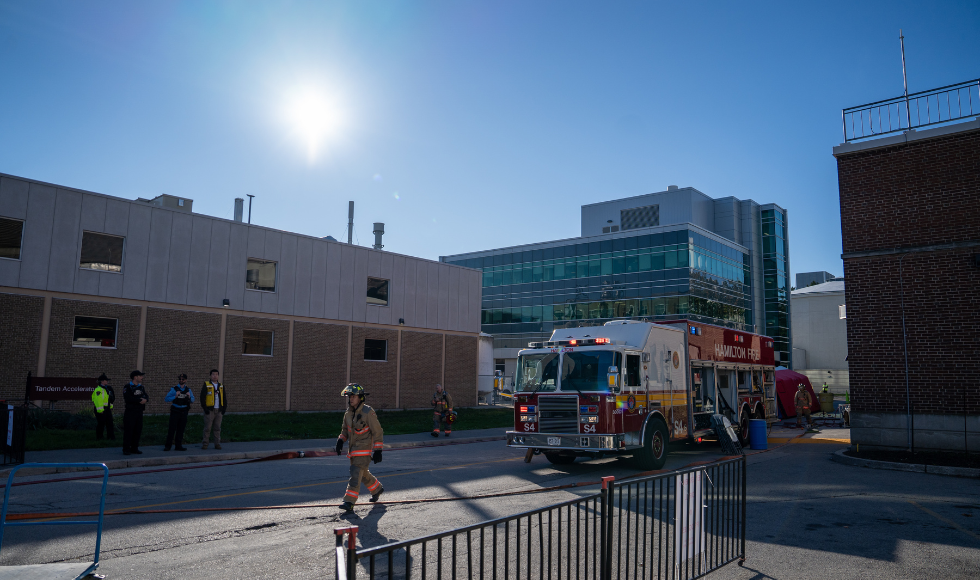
(353, 389)
(451, 417)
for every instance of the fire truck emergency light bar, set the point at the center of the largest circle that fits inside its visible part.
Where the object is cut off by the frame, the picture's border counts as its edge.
(573, 342)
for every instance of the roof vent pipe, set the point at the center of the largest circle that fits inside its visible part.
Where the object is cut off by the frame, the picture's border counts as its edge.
(671, 187)
(239, 208)
(379, 230)
(350, 222)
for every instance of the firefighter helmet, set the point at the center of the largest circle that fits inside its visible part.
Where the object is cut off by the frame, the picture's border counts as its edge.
(353, 389)
(451, 417)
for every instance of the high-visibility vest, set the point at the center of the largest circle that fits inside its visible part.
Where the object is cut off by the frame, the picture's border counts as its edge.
(209, 394)
(100, 398)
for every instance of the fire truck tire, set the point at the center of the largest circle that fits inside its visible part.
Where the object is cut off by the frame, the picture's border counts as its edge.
(743, 428)
(654, 452)
(558, 459)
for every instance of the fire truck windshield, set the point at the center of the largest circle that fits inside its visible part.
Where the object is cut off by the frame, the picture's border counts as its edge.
(585, 370)
(537, 372)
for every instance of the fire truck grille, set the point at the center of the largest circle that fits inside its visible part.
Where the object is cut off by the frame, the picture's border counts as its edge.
(558, 414)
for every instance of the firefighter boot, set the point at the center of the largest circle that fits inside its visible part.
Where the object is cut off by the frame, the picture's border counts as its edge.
(435, 433)
(374, 497)
(347, 507)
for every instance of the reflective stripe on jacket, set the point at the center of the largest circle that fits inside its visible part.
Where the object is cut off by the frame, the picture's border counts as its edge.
(100, 398)
(362, 431)
(442, 402)
(207, 396)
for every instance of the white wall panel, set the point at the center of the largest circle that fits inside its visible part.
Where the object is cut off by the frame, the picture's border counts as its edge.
(372, 313)
(87, 282)
(111, 284)
(359, 283)
(93, 213)
(197, 277)
(65, 238)
(117, 217)
(178, 268)
(218, 260)
(237, 260)
(158, 255)
(387, 272)
(346, 283)
(421, 293)
(37, 237)
(287, 275)
(318, 278)
(452, 299)
(432, 295)
(135, 259)
(304, 273)
(332, 287)
(272, 251)
(14, 195)
(408, 292)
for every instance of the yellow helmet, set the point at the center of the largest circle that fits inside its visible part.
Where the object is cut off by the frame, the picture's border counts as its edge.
(353, 389)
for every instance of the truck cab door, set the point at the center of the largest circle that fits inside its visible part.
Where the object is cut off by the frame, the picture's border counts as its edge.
(636, 400)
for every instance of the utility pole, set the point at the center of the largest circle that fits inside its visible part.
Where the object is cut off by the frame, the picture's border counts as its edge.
(250, 196)
(905, 81)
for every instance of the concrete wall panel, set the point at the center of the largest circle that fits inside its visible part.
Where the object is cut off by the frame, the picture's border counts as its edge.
(359, 282)
(158, 255)
(117, 217)
(421, 293)
(345, 280)
(178, 269)
(93, 213)
(386, 272)
(87, 282)
(37, 237)
(287, 275)
(452, 298)
(218, 261)
(65, 239)
(111, 284)
(272, 251)
(10, 273)
(332, 285)
(318, 278)
(397, 289)
(372, 313)
(237, 260)
(135, 258)
(14, 195)
(304, 274)
(197, 277)
(432, 296)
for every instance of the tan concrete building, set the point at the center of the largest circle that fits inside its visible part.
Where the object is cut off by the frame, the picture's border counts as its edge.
(91, 283)
(820, 335)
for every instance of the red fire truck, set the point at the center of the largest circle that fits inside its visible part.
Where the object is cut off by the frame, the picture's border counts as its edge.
(632, 387)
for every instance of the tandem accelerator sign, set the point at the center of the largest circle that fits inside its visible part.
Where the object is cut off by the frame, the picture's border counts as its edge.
(60, 388)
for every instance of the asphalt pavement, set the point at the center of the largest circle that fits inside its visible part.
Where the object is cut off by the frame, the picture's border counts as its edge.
(807, 516)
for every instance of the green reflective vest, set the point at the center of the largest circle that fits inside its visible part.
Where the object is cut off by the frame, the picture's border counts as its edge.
(100, 398)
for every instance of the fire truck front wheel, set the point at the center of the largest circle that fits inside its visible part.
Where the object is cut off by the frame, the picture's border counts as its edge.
(654, 452)
(558, 459)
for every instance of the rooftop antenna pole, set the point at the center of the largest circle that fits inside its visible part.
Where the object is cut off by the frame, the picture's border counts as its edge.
(250, 196)
(905, 81)
(350, 222)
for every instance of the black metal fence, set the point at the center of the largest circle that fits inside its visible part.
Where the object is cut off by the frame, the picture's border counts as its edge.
(13, 433)
(680, 525)
(922, 109)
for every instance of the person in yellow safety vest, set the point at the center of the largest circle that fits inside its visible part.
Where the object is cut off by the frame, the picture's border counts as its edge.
(803, 404)
(363, 434)
(103, 398)
(442, 405)
(214, 401)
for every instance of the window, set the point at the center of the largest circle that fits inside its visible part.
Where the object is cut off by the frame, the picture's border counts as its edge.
(375, 349)
(101, 252)
(377, 292)
(842, 311)
(92, 332)
(260, 275)
(257, 342)
(11, 236)
(632, 370)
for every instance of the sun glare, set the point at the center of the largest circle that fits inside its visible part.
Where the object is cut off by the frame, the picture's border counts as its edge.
(315, 119)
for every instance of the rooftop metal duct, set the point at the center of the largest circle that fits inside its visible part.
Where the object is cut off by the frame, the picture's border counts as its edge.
(239, 208)
(379, 230)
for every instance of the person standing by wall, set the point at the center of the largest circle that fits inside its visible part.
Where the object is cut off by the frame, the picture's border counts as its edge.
(103, 397)
(215, 403)
(180, 399)
(442, 405)
(135, 398)
(803, 404)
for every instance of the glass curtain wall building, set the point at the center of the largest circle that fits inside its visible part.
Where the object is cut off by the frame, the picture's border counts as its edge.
(629, 265)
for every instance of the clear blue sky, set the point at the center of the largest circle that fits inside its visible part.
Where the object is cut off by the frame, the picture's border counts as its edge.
(462, 125)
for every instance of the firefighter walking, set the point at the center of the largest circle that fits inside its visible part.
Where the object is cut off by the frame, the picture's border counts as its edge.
(803, 404)
(442, 410)
(363, 435)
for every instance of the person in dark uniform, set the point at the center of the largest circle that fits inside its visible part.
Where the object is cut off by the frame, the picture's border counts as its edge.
(103, 398)
(135, 398)
(180, 399)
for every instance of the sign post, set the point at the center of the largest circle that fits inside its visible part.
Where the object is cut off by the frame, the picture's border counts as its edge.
(689, 519)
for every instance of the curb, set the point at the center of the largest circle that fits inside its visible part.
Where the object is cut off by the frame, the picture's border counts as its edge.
(238, 455)
(969, 472)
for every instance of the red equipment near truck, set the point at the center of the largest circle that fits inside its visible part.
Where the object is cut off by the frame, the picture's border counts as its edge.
(631, 388)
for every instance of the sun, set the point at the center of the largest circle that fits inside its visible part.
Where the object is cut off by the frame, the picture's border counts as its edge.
(315, 118)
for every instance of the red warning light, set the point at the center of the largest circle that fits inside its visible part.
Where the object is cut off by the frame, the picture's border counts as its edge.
(602, 341)
(572, 342)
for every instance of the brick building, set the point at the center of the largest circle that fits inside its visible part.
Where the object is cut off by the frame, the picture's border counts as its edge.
(91, 283)
(910, 222)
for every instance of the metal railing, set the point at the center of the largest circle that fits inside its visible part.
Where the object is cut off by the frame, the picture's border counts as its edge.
(922, 109)
(13, 433)
(681, 525)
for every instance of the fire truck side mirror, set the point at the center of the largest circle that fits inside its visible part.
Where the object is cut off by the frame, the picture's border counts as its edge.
(613, 378)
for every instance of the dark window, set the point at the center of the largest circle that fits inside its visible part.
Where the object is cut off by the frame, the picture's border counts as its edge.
(11, 236)
(101, 252)
(257, 342)
(95, 332)
(260, 275)
(377, 291)
(375, 349)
